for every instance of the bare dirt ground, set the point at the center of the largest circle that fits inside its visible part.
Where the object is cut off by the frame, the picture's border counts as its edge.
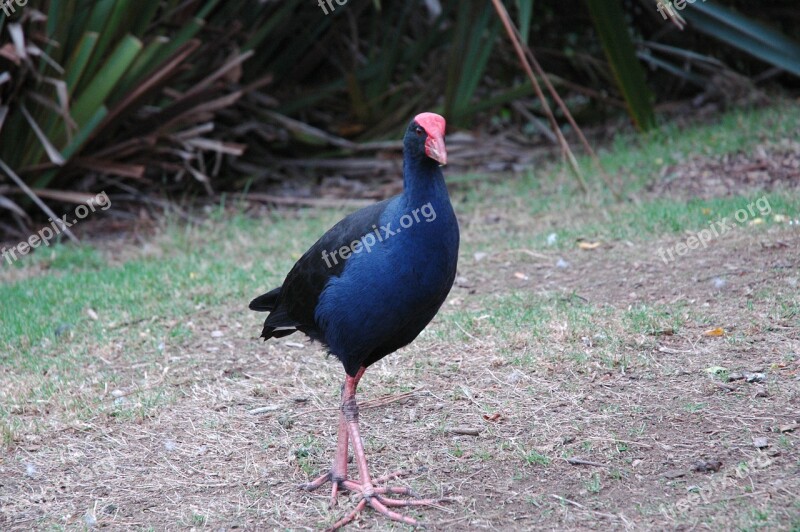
(632, 427)
(765, 167)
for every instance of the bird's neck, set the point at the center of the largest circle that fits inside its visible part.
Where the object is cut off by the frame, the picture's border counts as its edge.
(423, 180)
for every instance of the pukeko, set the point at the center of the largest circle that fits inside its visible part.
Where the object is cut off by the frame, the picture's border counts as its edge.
(367, 288)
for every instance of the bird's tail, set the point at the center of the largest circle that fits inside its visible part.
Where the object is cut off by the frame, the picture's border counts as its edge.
(266, 302)
(278, 324)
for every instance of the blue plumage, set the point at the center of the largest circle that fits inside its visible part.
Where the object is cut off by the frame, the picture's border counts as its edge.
(385, 298)
(373, 282)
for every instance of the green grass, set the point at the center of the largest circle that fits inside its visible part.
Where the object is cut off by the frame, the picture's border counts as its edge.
(216, 263)
(533, 457)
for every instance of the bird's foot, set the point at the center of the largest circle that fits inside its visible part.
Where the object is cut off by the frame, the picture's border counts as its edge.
(336, 486)
(377, 498)
(317, 482)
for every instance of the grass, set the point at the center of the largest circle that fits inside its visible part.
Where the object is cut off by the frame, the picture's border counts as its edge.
(82, 278)
(602, 358)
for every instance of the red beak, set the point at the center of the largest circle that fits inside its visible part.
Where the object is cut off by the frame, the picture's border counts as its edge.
(434, 148)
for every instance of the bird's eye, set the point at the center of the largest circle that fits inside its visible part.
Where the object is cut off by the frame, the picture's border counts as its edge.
(418, 131)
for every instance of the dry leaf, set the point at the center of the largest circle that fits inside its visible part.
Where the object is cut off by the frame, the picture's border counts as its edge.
(589, 245)
(719, 331)
(497, 416)
(520, 275)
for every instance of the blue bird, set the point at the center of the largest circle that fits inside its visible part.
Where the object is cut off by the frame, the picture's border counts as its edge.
(368, 287)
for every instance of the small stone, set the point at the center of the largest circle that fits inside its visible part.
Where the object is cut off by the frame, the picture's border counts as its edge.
(562, 264)
(552, 238)
(674, 473)
(761, 442)
(515, 376)
(217, 334)
(707, 466)
(63, 328)
(754, 377)
(90, 520)
(479, 256)
(735, 376)
(719, 283)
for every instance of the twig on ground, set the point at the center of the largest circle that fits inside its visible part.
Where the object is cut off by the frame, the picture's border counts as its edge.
(580, 461)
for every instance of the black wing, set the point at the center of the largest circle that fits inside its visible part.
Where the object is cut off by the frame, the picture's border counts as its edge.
(293, 304)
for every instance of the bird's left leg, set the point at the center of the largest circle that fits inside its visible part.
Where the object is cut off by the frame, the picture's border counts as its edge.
(373, 496)
(338, 472)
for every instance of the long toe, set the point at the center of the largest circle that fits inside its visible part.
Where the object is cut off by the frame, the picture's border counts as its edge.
(394, 516)
(316, 483)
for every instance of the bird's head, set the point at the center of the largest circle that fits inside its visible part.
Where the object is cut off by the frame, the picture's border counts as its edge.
(425, 138)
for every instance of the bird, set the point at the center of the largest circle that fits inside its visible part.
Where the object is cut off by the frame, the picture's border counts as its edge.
(367, 288)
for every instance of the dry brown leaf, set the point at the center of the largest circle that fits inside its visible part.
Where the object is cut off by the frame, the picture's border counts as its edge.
(718, 331)
(589, 245)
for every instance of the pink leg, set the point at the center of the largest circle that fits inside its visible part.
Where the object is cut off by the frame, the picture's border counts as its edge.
(338, 472)
(339, 469)
(373, 496)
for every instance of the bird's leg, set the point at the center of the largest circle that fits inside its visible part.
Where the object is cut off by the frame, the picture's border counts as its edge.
(338, 472)
(375, 497)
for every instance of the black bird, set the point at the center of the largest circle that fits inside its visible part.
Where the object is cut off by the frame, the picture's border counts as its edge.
(368, 287)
